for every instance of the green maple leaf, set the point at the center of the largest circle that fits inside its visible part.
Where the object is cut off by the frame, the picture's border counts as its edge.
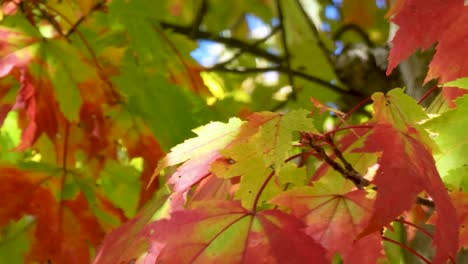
(198, 153)
(263, 145)
(451, 138)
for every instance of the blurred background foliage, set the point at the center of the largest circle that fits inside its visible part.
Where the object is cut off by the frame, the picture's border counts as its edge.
(93, 93)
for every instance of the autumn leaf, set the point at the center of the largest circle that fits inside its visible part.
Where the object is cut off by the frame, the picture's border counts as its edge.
(261, 148)
(128, 242)
(198, 153)
(335, 215)
(52, 61)
(16, 47)
(221, 231)
(449, 32)
(460, 201)
(62, 229)
(397, 165)
(399, 138)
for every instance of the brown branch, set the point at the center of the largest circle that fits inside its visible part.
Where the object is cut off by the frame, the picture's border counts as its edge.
(425, 202)
(340, 156)
(282, 69)
(279, 10)
(231, 42)
(349, 172)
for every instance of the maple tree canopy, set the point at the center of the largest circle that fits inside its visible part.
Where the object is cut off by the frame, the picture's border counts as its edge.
(213, 131)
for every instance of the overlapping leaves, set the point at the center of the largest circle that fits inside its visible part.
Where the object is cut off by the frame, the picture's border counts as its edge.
(395, 122)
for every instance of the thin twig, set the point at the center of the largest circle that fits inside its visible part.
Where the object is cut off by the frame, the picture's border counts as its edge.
(355, 28)
(349, 174)
(240, 52)
(279, 10)
(282, 69)
(348, 171)
(425, 202)
(80, 35)
(232, 42)
(73, 28)
(403, 221)
(199, 17)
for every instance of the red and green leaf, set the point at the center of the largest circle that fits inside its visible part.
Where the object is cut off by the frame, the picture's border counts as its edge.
(335, 216)
(220, 231)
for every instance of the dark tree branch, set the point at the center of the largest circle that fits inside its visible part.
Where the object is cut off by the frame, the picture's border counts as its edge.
(232, 42)
(240, 52)
(340, 156)
(282, 69)
(348, 171)
(353, 27)
(279, 10)
(426, 202)
(202, 10)
(351, 175)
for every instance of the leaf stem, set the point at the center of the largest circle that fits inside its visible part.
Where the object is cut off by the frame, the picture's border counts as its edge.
(412, 251)
(332, 132)
(429, 92)
(415, 226)
(356, 107)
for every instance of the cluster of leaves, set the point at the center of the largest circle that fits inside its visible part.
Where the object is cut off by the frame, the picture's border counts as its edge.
(93, 93)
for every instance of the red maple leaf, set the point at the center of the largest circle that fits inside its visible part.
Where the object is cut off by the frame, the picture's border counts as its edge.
(460, 201)
(401, 177)
(335, 219)
(128, 242)
(424, 22)
(225, 232)
(145, 145)
(452, 93)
